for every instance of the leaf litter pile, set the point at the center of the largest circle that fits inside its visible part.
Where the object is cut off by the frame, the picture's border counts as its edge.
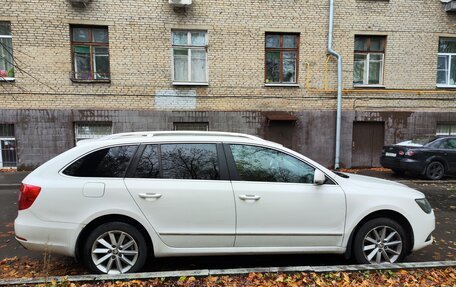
(22, 268)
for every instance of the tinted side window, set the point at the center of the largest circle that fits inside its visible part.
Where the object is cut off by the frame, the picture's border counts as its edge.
(449, 144)
(109, 162)
(148, 164)
(263, 164)
(190, 161)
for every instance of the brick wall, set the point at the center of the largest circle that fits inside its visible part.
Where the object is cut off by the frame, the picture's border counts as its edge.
(140, 54)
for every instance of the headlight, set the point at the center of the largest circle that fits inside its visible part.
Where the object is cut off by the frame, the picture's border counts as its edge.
(424, 204)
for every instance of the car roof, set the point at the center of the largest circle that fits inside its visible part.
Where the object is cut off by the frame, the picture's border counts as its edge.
(174, 136)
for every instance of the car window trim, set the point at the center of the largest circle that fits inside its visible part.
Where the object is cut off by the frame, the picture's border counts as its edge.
(235, 175)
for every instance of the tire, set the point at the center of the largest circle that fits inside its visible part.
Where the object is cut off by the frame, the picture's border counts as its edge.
(392, 249)
(435, 170)
(112, 258)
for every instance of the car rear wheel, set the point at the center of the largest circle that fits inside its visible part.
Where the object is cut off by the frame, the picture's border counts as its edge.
(435, 170)
(380, 240)
(115, 248)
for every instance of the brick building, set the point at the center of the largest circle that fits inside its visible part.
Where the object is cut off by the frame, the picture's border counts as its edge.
(75, 69)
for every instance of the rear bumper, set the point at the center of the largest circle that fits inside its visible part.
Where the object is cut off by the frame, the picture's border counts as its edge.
(45, 236)
(402, 164)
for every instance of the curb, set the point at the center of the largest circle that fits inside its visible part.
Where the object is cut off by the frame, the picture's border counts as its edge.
(238, 271)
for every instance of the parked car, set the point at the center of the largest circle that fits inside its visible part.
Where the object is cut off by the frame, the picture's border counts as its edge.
(432, 157)
(114, 201)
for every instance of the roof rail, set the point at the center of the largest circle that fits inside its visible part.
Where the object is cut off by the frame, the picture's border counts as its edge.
(178, 133)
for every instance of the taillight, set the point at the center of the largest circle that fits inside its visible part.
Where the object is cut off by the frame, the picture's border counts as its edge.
(401, 152)
(410, 153)
(28, 194)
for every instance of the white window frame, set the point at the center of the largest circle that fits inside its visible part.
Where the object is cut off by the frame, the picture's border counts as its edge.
(8, 37)
(367, 69)
(190, 48)
(450, 56)
(77, 137)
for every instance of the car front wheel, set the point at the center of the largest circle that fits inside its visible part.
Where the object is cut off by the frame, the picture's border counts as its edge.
(380, 240)
(115, 248)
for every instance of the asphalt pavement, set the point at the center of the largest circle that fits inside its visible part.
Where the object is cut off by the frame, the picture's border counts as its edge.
(441, 194)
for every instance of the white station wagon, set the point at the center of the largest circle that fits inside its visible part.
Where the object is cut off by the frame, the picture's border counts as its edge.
(114, 201)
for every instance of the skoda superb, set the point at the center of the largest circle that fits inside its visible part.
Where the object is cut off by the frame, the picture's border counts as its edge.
(114, 201)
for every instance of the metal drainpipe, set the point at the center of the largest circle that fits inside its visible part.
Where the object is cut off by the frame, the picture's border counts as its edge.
(339, 82)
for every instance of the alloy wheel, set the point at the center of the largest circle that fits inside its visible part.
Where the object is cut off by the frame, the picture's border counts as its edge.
(435, 170)
(115, 252)
(382, 244)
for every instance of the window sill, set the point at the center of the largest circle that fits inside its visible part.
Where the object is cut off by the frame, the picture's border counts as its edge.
(369, 86)
(189, 84)
(445, 86)
(91, 81)
(7, 79)
(282, 85)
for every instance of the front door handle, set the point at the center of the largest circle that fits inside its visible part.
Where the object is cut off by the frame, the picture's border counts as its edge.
(150, 195)
(249, 197)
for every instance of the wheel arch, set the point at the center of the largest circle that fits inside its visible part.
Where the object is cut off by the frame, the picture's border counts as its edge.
(386, 213)
(436, 158)
(111, 218)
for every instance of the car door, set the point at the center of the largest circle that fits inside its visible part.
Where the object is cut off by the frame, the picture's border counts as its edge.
(277, 203)
(449, 148)
(184, 192)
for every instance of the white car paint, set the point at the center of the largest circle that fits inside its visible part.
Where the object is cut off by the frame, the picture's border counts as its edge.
(208, 217)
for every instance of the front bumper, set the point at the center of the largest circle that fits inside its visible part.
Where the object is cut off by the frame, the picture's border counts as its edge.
(45, 236)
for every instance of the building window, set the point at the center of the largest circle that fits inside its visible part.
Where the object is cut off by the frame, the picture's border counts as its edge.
(446, 62)
(369, 60)
(90, 50)
(195, 126)
(190, 57)
(84, 131)
(6, 52)
(7, 146)
(282, 58)
(446, 129)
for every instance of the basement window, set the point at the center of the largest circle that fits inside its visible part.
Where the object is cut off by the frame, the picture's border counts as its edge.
(446, 129)
(191, 126)
(7, 146)
(91, 130)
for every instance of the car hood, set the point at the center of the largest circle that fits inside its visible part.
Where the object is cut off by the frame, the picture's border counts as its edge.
(373, 184)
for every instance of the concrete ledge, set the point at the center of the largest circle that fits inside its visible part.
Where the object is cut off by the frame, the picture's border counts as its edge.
(239, 271)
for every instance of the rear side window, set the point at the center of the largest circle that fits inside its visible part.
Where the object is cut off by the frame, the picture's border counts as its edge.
(190, 161)
(109, 162)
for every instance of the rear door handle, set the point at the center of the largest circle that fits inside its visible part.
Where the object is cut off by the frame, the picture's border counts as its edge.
(249, 197)
(150, 195)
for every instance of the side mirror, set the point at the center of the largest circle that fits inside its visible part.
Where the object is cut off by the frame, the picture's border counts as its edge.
(319, 177)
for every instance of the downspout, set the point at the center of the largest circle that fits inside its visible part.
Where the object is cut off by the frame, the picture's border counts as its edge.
(339, 83)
